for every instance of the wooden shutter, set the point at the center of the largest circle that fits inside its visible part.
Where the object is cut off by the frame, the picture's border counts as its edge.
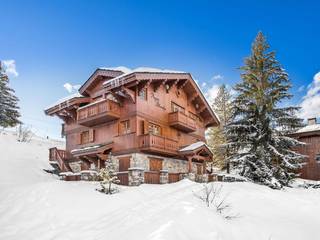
(146, 127)
(155, 164)
(91, 135)
(78, 138)
(124, 164)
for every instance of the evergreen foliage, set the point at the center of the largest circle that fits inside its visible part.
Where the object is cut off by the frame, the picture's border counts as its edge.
(9, 110)
(216, 135)
(108, 176)
(258, 135)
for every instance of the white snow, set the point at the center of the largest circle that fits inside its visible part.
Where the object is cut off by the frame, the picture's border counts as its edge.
(37, 205)
(309, 128)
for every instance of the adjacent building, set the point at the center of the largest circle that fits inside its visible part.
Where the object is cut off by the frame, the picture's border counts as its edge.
(310, 135)
(151, 122)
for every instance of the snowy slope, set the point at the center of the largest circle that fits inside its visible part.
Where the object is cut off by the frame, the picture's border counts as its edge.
(36, 205)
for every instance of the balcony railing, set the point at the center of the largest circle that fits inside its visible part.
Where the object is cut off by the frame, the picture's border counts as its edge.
(159, 144)
(182, 122)
(97, 113)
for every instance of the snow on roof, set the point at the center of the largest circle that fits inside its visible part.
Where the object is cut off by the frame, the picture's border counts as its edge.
(67, 98)
(309, 128)
(120, 68)
(126, 71)
(193, 146)
(84, 149)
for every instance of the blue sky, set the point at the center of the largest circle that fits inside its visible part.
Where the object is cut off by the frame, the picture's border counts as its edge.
(55, 42)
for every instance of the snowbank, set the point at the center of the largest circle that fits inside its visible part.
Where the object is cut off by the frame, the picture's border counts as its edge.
(36, 205)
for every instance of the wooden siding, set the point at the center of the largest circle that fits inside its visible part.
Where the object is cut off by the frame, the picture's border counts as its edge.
(155, 109)
(152, 177)
(311, 170)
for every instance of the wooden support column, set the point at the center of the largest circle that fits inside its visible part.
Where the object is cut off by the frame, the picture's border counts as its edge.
(204, 167)
(189, 164)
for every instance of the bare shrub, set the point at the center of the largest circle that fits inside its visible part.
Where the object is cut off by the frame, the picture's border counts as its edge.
(211, 194)
(24, 133)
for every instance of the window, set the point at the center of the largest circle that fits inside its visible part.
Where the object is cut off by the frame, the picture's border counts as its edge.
(143, 94)
(154, 129)
(176, 108)
(125, 127)
(84, 137)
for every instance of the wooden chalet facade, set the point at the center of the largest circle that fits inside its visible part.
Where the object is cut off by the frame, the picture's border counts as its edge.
(152, 122)
(310, 135)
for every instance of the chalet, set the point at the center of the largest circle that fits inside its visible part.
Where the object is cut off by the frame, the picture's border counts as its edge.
(310, 135)
(151, 122)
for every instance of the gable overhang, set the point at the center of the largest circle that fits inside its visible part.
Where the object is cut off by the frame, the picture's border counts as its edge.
(66, 105)
(202, 153)
(96, 75)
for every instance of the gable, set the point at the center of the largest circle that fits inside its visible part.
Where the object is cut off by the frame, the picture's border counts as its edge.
(97, 78)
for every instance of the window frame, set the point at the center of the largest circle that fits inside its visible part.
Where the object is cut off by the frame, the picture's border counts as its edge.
(125, 127)
(177, 108)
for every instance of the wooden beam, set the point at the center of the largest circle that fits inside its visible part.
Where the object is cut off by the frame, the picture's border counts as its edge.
(193, 97)
(130, 94)
(117, 97)
(182, 84)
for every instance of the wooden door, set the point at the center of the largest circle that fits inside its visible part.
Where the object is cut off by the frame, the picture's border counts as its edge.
(124, 164)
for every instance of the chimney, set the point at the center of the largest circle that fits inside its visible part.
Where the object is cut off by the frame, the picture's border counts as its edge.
(312, 121)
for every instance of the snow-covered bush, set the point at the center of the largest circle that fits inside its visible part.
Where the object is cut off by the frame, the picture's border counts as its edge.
(107, 177)
(211, 194)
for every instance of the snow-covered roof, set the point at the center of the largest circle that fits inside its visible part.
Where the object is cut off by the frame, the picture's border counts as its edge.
(84, 149)
(193, 146)
(120, 68)
(126, 71)
(309, 128)
(62, 100)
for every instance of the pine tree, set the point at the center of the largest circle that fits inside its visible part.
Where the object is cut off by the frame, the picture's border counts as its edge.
(258, 135)
(216, 135)
(9, 110)
(108, 176)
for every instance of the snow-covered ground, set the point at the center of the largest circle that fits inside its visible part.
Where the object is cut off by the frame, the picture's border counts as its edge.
(36, 205)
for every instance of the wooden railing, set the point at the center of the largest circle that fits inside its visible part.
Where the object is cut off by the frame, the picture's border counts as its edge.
(59, 156)
(158, 142)
(105, 106)
(113, 83)
(182, 119)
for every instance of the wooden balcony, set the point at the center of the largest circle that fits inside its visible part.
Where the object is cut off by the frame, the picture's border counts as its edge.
(182, 122)
(158, 144)
(97, 113)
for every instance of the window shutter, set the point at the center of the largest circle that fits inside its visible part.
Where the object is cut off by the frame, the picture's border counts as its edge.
(146, 127)
(78, 137)
(91, 135)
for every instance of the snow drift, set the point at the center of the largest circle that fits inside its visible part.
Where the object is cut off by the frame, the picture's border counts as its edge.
(37, 205)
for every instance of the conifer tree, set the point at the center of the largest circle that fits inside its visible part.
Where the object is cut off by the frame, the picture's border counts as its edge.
(216, 135)
(258, 134)
(108, 176)
(9, 110)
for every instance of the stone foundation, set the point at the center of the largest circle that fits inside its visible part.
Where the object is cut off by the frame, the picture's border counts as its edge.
(136, 176)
